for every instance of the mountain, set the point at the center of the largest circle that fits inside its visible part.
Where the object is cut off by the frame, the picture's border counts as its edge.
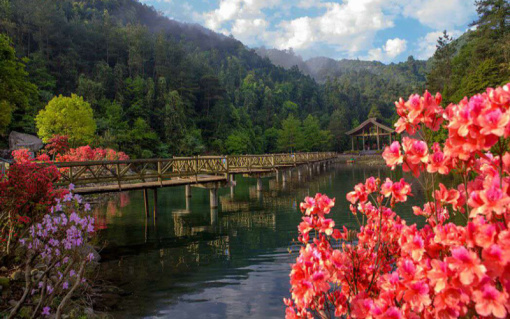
(322, 68)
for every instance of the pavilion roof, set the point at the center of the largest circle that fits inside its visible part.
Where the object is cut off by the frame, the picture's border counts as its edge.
(369, 123)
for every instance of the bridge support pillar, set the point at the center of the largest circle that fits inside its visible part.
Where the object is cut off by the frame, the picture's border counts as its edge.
(188, 204)
(277, 174)
(155, 196)
(146, 201)
(188, 191)
(259, 184)
(213, 197)
(214, 216)
(299, 174)
(284, 177)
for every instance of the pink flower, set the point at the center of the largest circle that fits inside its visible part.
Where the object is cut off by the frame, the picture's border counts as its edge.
(490, 302)
(392, 155)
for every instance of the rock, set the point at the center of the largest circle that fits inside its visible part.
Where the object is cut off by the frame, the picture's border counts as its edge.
(13, 303)
(3, 269)
(4, 282)
(88, 249)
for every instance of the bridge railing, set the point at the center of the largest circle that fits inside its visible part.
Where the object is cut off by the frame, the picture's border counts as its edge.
(100, 172)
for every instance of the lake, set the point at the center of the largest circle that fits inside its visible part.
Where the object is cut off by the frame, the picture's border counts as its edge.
(232, 262)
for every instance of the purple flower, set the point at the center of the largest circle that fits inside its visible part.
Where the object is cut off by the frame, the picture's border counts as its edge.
(46, 311)
(87, 207)
(68, 197)
(49, 289)
(65, 285)
(71, 186)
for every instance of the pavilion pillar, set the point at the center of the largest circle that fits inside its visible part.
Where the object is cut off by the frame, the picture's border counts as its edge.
(390, 138)
(378, 147)
(363, 139)
(352, 142)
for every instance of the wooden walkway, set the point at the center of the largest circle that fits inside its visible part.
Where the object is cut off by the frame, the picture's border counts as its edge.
(113, 176)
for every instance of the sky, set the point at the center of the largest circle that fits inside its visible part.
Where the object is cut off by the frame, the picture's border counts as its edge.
(382, 30)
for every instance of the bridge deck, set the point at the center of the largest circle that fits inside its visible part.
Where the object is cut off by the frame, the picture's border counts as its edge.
(112, 176)
(149, 184)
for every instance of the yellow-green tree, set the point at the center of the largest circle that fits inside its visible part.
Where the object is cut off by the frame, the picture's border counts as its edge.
(70, 116)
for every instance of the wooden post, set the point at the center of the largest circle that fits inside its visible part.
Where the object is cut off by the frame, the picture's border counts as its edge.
(159, 173)
(363, 132)
(146, 201)
(155, 196)
(352, 141)
(390, 138)
(214, 216)
(259, 184)
(378, 148)
(213, 197)
(188, 191)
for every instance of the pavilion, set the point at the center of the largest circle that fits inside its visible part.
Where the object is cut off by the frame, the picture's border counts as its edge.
(367, 131)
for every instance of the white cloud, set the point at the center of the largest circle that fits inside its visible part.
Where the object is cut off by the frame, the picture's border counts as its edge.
(394, 47)
(389, 51)
(439, 14)
(347, 26)
(247, 30)
(426, 46)
(245, 18)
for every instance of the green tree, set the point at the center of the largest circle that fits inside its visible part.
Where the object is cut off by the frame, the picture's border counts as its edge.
(493, 16)
(15, 89)
(271, 140)
(290, 136)
(70, 116)
(311, 137)
(375, 113)
(338, 125)
(238, 143)
(441, 71)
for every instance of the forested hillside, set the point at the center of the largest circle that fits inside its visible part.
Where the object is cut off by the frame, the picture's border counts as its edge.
(157, 87)
(478, 59)
(356, 88)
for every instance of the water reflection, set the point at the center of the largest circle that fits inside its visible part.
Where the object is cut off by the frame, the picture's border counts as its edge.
(194, 261)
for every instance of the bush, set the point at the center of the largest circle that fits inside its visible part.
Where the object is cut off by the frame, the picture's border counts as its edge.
(394, 270)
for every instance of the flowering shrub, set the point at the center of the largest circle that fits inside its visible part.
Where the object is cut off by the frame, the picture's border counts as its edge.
(58, 144)
(56, 257)
(26, 195)
(87, 153)
(395, 270)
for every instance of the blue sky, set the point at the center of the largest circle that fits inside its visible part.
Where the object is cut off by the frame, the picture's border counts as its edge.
(383, 30)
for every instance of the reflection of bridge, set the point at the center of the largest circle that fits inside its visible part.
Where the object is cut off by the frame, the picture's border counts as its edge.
(209, 172)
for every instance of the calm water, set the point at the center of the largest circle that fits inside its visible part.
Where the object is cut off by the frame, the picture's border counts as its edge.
(232, 262)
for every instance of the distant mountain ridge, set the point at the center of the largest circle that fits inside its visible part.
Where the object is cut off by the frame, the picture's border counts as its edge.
(322, 68)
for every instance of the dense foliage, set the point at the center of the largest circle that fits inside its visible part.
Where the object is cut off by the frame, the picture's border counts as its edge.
(156, 87)
(394, 270)
(478, 59)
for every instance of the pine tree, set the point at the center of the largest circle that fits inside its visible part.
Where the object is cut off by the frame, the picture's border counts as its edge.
(493, 16)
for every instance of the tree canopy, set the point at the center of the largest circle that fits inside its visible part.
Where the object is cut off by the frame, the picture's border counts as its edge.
(69, 116)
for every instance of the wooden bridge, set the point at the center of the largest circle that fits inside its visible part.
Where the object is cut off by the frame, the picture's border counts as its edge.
(210, 172)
